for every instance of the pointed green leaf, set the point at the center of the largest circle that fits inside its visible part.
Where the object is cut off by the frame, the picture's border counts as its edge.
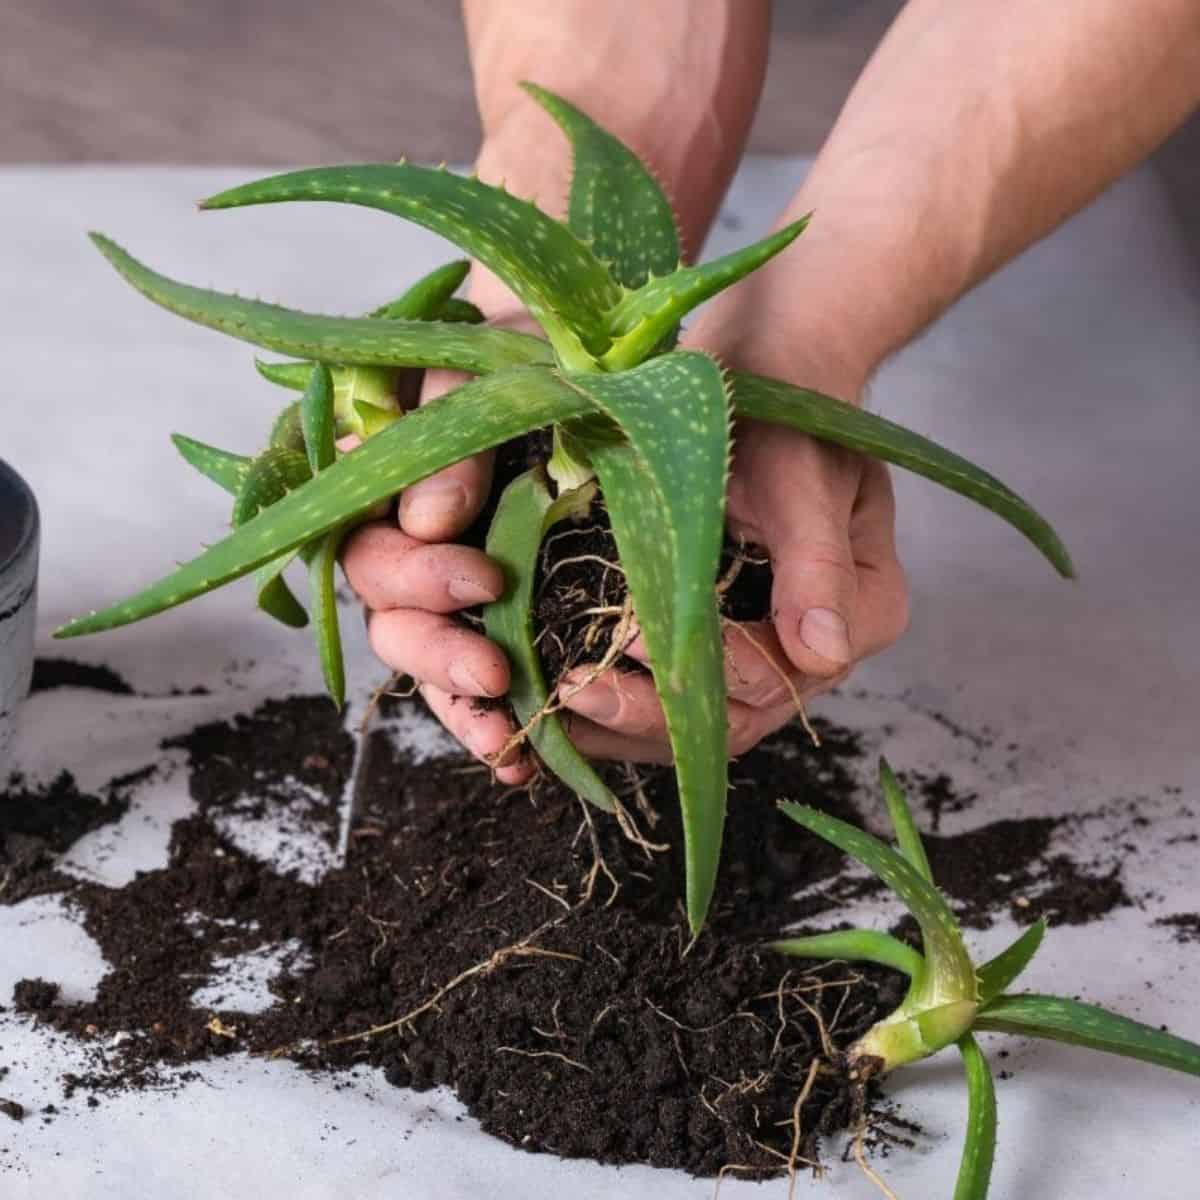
(616, 204)
(641, 319)
(477, 349)
(425, 298)
(563, 284)
(908, 838)
(1079, 1024)
(372, 420)
(288, 431)
(951, 974)
(275, 598)
(272, 475)
(323, 589)
(224, 469)
(998, 974)
(665, 492)
(455, 309)
(474, 417)
(979, 1146)
(316, 418)
(524, 515)
(290, 375)
(757, 398)
(855, 945)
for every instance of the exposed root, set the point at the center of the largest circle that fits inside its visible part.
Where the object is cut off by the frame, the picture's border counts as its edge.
(392, 687)
(543, 1054)
(557, 699)
(497, 959)
(794, 1157)
(860, 1157)
(788, 682)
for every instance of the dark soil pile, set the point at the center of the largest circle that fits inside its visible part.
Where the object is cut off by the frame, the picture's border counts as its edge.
(514, 947)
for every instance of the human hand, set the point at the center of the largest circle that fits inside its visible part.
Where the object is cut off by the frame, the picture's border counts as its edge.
(413, 579)
(826, 518)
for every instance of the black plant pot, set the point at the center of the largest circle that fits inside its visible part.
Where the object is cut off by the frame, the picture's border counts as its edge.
(19, 527)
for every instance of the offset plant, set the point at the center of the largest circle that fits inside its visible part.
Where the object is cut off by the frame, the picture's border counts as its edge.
(949, 998)
(647, 425)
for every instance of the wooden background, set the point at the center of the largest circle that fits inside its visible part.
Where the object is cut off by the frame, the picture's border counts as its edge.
(299, 81)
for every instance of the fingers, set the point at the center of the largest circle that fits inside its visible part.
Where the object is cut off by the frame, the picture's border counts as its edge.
(435, 649)
(387, 569)
(757, 670)
(622, 702)
(618, 715)
(883, 604)
(442, 506)
(595, 741)
(485, 732)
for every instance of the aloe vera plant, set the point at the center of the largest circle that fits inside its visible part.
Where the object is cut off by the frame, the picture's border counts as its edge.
(949, 997)
(647, 424)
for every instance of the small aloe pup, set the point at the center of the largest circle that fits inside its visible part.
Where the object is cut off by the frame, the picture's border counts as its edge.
(643, 424)
(949, 998)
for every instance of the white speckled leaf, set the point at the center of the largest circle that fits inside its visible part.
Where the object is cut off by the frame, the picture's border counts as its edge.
(563, 284)
(642, 318)
(615, 204)
(364, 340)
(760, 399)
(665, 492)
(474, 417)
(1079, 1024)
(951, 974)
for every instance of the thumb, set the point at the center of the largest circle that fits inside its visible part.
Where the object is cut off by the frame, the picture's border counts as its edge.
(441, 507)
(803, 500)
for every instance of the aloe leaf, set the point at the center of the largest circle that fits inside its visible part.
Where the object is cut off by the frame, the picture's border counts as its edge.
(524, 515)
(855, 945)
(908, 838)
(996, 975)
(288, 430)
(951, 974)
(979, 1145)
(643, 318)
(455, 309)
(474, 417)
(616, 204)
(422, 301)
(477, 349)
(223, 468)
(563, 284)
(290, 375)
(371, 420)
(665, 492)
(760, 399)
(275, 598)
(316, 418)
(323, 590)
(272, 475)
(1061, 1020)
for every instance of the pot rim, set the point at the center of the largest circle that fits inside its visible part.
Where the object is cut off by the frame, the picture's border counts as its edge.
(11, 484)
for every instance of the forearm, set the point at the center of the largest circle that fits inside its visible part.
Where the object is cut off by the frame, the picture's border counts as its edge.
(677, 80)
(975, 129)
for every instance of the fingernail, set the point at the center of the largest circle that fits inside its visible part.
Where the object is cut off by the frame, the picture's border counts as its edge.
(434, 502)
(596, 701)
(824, 632)
(467, 591)
(464, 680)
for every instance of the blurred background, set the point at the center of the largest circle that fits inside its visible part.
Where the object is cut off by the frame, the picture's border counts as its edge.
(309, 81)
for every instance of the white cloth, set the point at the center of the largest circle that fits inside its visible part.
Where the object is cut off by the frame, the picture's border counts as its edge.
(1072, 376)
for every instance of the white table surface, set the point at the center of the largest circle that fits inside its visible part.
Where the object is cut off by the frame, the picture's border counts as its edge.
(1074, 375)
